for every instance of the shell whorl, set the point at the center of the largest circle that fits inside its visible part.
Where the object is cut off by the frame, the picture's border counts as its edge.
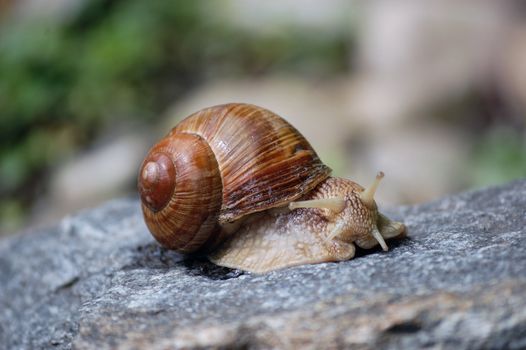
(180, 175)
(249, 160)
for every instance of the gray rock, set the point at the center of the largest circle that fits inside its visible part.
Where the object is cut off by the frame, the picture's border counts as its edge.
(98, 280)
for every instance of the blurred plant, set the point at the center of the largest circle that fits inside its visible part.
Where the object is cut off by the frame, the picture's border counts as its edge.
(499, 157)
(63, 81)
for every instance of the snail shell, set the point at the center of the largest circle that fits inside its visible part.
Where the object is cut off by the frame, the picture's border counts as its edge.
(242, 185)
(218, 166)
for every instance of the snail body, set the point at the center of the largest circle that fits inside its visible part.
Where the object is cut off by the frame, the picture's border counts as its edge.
(242, 185)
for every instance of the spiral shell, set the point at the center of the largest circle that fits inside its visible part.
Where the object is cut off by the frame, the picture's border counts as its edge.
(219, 165)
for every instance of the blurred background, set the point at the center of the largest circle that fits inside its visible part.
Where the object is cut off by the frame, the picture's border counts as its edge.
(433, 93)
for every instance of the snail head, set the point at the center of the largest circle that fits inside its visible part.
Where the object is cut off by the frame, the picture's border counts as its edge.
(353, 214)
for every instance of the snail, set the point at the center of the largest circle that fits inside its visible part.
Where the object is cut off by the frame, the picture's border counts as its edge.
(242, 186)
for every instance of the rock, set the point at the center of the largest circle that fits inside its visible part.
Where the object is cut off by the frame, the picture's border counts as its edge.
(98, 280)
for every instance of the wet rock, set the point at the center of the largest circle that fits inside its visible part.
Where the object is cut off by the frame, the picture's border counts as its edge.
(98, 280)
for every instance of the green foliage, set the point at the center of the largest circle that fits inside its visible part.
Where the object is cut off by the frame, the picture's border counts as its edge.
(499, 157)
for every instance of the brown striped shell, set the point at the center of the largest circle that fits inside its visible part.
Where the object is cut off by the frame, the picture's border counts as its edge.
(219, 165)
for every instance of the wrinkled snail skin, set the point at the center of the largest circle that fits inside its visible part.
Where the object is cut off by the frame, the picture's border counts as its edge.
(241, 184)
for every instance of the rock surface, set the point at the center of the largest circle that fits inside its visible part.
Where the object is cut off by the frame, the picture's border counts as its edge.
(98, 280)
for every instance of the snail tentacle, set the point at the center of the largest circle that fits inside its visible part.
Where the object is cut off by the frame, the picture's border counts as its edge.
(367, 196)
